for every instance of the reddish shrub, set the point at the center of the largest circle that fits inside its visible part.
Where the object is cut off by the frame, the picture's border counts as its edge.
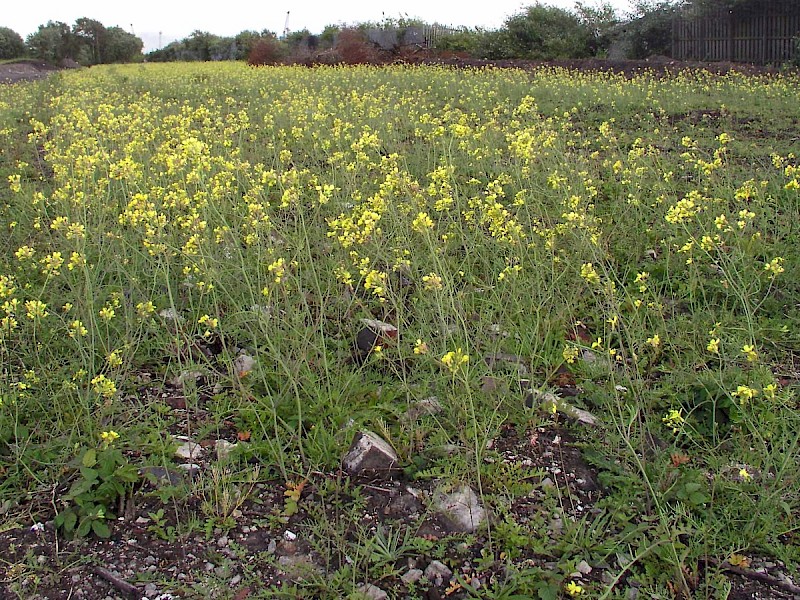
(353, 48)
(266, 51)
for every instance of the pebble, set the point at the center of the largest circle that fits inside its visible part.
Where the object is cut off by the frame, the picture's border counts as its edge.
(438, 572)
(411, 576)
(236, 579)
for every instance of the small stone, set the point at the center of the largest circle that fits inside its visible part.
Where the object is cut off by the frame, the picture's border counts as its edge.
(222, 542)
(142, 521)
(438, 572)
(189, 451)
(235, 579)
(583, 568)
(373, 592)
(411, 576)
(462, 508)
(150, 560)
(547, 483)
(289, 536)
(186, 377)
(423, 408)
(170, 314)
(243, 364)
(192, 469)
(151, 589)
(369, 454)
(224, 449)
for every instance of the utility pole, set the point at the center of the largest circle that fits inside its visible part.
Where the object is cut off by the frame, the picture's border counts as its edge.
(159, 40)
(286, 26)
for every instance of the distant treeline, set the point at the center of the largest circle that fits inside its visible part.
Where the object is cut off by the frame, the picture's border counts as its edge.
(87, 42)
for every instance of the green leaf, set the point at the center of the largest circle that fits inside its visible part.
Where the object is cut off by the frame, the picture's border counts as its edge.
(90, 458)
(70, 519)
(101, 529)
(84, 527)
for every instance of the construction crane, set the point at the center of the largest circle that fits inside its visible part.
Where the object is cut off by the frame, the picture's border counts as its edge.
(286, 26)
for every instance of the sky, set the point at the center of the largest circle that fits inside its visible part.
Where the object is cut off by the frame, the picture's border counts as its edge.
(169, 20)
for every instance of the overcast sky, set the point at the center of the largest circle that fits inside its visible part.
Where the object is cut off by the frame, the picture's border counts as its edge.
(176, 19)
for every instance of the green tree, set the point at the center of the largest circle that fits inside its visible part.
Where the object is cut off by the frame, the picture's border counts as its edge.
(54, 42)
(600, 21)
(11, 44)
(547, 32)
(121, 46)
(92, 34)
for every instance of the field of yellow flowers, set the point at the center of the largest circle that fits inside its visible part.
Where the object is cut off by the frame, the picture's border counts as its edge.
(516, 244)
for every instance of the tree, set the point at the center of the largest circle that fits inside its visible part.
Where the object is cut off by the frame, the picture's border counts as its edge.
(121, 46)
(93, 34)
(11, 44)
(547, 32)
(600, 21)
(54, 42)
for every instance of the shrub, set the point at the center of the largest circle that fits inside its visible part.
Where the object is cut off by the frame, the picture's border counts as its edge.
(266, 51)
(547, 32)
(352, 48)
(11, 44)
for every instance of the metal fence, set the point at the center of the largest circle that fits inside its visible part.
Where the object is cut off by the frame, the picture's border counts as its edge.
(764, 33)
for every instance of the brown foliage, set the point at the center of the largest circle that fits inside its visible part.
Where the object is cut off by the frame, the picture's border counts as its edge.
(265, 51)
(353, 48)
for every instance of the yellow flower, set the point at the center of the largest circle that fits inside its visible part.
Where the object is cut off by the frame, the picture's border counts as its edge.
(589, 273)
(673, 419)
(750, 352)
(573, 589)
(654, 341)
(114, 359)
(109, 437)
(104, 386)
(745, 394)
(420, 347)
(145, 309)
(454, 360)
(713, 346)
(422, 222)
(745, 474)
(775, 266)
(35, 309)
(107, 313)
(432, 281)
(77, 329)
(570, 353)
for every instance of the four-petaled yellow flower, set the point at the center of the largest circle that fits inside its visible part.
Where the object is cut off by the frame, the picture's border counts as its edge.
(750, 353)
(713, 346)
(573, 589)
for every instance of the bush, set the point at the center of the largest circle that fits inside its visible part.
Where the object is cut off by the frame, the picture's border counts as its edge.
(547, 32)
(352, 48)
(11, 44)
(266, 51)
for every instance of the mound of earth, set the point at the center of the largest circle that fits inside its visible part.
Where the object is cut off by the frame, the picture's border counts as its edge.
(25, 71)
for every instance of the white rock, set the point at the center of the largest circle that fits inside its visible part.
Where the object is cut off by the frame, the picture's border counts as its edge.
(462, 508)
(438, 572)
(189, 451)
(369, 454)
(289, 536)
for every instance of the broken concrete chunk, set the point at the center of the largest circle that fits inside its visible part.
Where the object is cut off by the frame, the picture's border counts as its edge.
(461, 508)
(370, 455)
